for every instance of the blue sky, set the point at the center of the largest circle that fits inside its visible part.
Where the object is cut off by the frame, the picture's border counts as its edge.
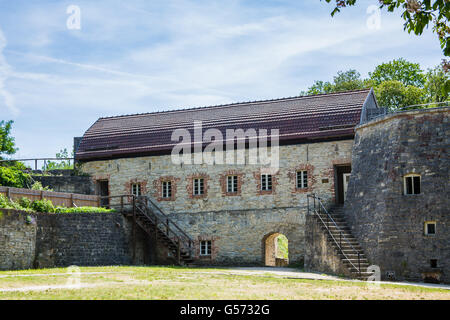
(143, 56)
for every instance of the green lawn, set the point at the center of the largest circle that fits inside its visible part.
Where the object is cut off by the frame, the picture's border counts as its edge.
(191, 283)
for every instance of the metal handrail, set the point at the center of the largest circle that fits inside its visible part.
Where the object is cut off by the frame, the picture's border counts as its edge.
(326, 224)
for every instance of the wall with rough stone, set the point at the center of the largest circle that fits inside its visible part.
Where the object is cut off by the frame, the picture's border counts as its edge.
(239, 221)
(320, 254)
(17, 240)
(67, 183)
(388, 224)
(61, 240)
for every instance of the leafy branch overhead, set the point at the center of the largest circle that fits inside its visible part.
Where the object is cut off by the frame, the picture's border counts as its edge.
(418, 15)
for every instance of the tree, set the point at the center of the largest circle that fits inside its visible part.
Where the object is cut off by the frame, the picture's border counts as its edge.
(343, 81)
(437, 85)
(7, 145)
(62, 164)
(417, 16)
(393, 94)
(406, 72)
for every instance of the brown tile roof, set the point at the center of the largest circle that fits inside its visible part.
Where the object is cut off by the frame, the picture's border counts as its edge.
(326, 116)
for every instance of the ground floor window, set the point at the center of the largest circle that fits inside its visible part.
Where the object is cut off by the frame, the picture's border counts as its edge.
(136, 189)
(205, 247)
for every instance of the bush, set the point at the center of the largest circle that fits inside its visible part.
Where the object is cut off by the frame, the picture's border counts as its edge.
(13, 177)
(43, 205)
(38, 186)
(25, 203)
(83, 210)
(4, 202)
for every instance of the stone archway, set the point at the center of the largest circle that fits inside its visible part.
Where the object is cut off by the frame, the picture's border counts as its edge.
(272, 253)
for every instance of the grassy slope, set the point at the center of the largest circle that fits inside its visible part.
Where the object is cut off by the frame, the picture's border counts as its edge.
(198, 283)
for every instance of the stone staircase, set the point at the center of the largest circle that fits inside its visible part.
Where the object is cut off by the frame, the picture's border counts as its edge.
(342, 240)
(158, 225)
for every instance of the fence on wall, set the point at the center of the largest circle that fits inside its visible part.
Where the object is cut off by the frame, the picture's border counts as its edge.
(57, 198)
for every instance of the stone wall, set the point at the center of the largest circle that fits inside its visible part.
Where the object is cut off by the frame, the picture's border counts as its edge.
(67, 183)
(17, 240)
(389, 224)
(237, 222)
(61, 240)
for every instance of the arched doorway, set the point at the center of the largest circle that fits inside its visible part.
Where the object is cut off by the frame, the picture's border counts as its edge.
(275, 250)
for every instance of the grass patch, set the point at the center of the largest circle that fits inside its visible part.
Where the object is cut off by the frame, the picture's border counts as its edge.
(126, 282)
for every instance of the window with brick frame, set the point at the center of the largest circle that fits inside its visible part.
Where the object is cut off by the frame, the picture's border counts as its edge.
(205, 247)
(198, 186)
(266, 182)
(232, 184)
(430, 228)
(166, 191)
(136, 189)
(412, 184)
(302, 179)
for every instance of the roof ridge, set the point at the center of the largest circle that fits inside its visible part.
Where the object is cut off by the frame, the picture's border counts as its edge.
(238, 103)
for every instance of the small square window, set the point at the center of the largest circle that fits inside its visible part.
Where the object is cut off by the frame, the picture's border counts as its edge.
(430, 228)
(302, 179)
(205, 247)
(166, 189)
(266, 182)
(412, 184)
(198, 186)
(433, 263)
(136, 189)
(232, 184)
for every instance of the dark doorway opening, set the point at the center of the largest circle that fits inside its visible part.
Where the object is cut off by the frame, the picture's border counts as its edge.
(342, 176)
(103, 191)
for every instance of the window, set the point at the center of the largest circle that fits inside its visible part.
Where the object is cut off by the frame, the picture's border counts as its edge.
(433, 263)
(205, 248)
(232, 184)
(266, 182)
(302, 179)
(136, 189)
(166, 189)
(430, 228)
(198, 186)
(412, 184)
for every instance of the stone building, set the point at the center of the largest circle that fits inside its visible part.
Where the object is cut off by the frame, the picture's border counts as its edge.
(232, 211)
(391, 172)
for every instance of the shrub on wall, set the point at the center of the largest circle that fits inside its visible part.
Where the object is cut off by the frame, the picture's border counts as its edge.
(83, 210)
(13, 177)
(43, 205)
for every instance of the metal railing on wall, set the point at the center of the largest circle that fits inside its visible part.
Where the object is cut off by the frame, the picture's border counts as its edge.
(45, 161)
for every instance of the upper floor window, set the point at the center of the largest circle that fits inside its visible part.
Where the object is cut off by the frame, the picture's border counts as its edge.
(166, 189)
(266, 182)
(205, 247)
(430, 228)
(302, 179)
(412, 184)
(232, 184)
(136, 189)
(199, 186)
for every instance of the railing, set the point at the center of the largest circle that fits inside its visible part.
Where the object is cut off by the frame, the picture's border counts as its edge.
(382, 111)
(144, 206)
(320, 209)
(36, 160)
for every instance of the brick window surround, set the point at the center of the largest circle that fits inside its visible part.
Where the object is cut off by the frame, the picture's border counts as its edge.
(129, 185)
(224, 182)
(158, 185)
(311, 179)
(257, 175)
(190, 185)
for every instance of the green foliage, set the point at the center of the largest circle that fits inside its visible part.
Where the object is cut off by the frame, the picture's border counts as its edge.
(437, 85)
(43, 205)
(83, 210)
(25, 203)
(418, 15)
(13, 177)
(401, 70)
(7, 145)
(38, 186)
(282, 243)
(62, 164)
(394, 95)
(343, 81)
